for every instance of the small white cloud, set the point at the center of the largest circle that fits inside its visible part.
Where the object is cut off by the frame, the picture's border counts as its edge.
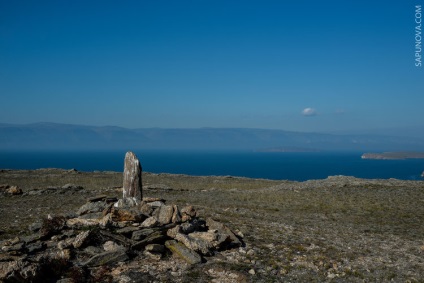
(309, 112)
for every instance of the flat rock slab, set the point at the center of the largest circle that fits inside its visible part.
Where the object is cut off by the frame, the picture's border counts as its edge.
(153, 238)
(91, 207)
(156, 203)
(183, 252)
(107, 258)
(127, 230)
(141, 234)
(79, 223)
(97, 198)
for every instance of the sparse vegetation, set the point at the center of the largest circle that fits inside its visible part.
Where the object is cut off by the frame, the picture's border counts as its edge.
(341, 229)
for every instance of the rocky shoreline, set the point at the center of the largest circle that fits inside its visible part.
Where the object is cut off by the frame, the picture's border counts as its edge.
(337, 229)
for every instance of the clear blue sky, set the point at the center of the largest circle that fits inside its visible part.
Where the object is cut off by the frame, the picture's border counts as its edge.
(258, 64)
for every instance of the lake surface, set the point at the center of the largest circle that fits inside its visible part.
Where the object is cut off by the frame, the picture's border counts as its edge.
(272, 165)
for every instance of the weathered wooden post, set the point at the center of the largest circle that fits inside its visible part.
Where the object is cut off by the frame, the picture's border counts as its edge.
(132, 187)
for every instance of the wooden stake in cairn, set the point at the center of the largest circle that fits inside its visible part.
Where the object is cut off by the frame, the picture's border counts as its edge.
(132, 187)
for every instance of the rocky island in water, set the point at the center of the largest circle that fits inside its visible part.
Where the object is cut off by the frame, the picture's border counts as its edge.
(393, 155)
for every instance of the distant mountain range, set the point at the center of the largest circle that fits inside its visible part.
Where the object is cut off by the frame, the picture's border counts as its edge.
(52, 136)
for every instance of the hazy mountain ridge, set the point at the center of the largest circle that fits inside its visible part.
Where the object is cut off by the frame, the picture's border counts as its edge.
(44, 136)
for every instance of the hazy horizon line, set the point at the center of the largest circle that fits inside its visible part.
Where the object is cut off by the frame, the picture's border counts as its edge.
(331, 132)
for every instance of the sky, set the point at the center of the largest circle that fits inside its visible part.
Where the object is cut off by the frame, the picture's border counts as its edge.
(311, 66)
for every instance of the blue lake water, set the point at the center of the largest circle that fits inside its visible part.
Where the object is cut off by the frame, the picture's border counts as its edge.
(278, 166)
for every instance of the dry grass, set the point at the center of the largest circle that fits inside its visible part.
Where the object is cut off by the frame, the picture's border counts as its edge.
(330, 230)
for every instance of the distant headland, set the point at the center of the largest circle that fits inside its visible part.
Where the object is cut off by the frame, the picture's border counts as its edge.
(393, 155)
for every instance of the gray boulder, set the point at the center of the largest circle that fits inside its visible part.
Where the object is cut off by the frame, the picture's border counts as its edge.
(165, 214)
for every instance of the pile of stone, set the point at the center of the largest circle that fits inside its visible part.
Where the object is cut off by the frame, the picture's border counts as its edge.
(106, 231)
(10, 190)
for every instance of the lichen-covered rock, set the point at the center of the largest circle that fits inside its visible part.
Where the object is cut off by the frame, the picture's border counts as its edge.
(196, 244)
(106, 221)
(96, 215)
(183, 252)
(145, 209)
(151, 255)
(92, 207)
(172, 233)
(14, 190)
(189, 227)
(222, 229)
(165, 214)
(17, 271)
(188, 213)
(132, 214)
(110, 246)
(80, 223)
(18, 247)
(10, 190)
(213, 237)
(149, 222)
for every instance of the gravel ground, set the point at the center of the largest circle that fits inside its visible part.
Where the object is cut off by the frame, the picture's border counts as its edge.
(340, 229)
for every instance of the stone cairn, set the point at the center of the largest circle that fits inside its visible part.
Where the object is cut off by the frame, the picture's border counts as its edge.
(106, 232)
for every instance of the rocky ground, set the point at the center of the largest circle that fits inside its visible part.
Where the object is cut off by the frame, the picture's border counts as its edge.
(340, 229)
